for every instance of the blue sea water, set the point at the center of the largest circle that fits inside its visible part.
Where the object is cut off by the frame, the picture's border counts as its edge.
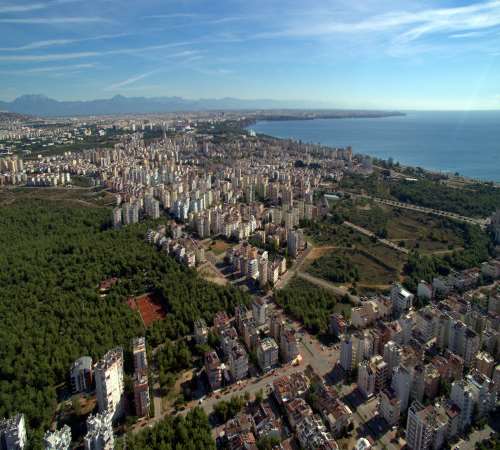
(463, 142)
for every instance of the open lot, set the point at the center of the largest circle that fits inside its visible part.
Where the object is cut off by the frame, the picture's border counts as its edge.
(219, 247)
(90, 197)
(425, 232)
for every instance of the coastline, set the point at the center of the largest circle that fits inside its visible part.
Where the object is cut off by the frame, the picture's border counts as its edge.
(413, 150)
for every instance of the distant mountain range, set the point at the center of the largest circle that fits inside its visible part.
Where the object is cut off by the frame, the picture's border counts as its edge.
(40, 105)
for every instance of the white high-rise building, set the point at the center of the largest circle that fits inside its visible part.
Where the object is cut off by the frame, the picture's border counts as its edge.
(13, 433)
(346, 352)
(461, 395)
(238, 362)
(402, 299)
(108, 375)
(474, 393)
(117, 217)
(426, 429)
(463, 341)
(100, 432)
(152, 207)
(259, 310)
(139, 354)
(354, 349)
(402, 380)
(366, 379)
(392, 355)
(58, 440)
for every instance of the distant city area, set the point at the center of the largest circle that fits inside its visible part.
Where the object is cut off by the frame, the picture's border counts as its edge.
(261, 293)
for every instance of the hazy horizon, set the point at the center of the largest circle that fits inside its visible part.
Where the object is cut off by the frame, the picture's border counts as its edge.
(404, 55)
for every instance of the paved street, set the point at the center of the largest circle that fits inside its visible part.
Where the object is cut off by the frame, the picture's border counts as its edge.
(368, 233)
(481, 222)
(338, 290)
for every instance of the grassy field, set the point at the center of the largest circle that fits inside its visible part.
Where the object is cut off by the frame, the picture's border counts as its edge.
(428, 233)
(376, 264)
(411, 229)
(372, 268)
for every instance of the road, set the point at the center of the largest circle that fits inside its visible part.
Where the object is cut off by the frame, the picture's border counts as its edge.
(289, 274)
(437, 212)
(338, 290)
(368, 233)
(296, 270)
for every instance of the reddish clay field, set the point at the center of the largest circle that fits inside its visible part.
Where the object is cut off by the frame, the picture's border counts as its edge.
(150, 308)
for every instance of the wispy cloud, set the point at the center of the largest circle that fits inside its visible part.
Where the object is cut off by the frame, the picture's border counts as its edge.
(54, 20)
(48, 57)
(9, 8)
(80, 55)
(47, 69)
(402, 27)
(60, 42)
(183, 59)
(172, 16)
(131, 80)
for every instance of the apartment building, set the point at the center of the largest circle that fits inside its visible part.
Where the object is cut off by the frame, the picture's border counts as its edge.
(110, 388)
(100, 432)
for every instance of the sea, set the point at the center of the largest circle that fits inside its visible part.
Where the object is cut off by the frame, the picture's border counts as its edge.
(450, 142)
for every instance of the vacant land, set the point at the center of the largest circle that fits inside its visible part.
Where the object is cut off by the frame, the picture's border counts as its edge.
(218, 246)
(410, 229)
(90, 197)
(209, 273)
(355, 265)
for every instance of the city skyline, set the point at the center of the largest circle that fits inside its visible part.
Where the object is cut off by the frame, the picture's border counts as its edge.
(395, 55)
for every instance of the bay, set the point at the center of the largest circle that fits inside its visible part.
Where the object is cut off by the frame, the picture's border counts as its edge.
(463, 142)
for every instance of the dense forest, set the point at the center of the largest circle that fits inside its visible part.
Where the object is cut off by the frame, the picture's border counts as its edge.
(334, 268)
(52, 261)
(479, 200)
(307, 303)
(191, 432)
(476, 200)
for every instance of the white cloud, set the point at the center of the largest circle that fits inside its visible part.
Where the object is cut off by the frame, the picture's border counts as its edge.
(131, 80)
(54, 20)
(47, 69)
(28, 7)
(59, 42)
(80, 55)
(401, 27)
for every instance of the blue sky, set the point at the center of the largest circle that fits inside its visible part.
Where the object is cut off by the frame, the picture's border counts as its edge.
(401, 54)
